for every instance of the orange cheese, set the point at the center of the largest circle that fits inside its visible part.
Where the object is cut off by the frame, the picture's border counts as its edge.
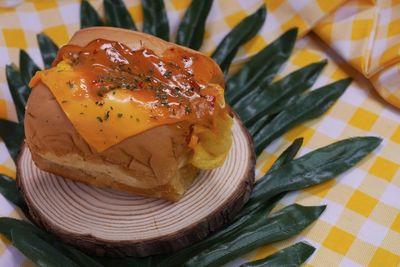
(110, 93)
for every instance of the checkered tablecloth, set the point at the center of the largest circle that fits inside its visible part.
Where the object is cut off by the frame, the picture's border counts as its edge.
(361, 226)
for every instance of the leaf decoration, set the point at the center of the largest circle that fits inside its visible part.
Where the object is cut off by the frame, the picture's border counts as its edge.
(38, 251)
(8, 189)
(89, 16)
(117, 15)
(243, 32)
(270, 99)
(76, 255)
(264, 204)
(48, 49)
(245, 218)
(261, 68)
(130, 262)
(13, 135)
(6, 224)
(294, 255)
(192, 27)
(287, 155)
(155, 20)
(228, 232)
(39, 241)
(315, 167)
(259, 124)
(18, 89)
(279, 226)
(27, 67)
(307, 106)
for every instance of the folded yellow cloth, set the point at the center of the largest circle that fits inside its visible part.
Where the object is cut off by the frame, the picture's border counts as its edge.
(365, 33)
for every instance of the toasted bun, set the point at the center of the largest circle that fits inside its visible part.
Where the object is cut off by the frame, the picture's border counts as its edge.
(153, 163)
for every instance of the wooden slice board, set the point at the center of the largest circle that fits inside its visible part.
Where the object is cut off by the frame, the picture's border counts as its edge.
(109, 222)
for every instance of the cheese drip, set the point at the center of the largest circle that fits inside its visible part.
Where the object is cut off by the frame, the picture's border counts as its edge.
(110, 93)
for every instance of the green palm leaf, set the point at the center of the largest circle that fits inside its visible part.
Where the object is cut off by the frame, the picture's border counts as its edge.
(305, 107)
(89, 16)
(48, 49)
(117, 15)
(39, 251)
(261, 68)
(12, 134)
(287, 155)
(267, 101)
(180, 257)
(279, 226)
(257, 125)
(27, 67)
(243, 32)
(314, 167)
(284, 158)
(155, 20)
(40, 246)
(18, 89)
(130, 262)
(292, 256)
(191, 29)
(8, 188)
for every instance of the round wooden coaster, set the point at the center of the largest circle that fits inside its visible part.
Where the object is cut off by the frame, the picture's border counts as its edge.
(109, 222)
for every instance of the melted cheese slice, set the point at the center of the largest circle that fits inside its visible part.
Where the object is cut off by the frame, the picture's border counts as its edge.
(116, 117)
(121, 113)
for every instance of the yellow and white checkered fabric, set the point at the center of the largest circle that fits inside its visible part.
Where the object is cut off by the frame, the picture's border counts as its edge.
(366, 33)
(361, 226)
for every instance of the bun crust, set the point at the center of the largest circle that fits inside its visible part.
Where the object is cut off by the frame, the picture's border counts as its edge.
(153, 163)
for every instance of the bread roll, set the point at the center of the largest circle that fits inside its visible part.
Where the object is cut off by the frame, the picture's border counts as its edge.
(160, 156)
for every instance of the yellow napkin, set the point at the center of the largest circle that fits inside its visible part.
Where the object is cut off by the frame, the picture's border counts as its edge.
(365, 33)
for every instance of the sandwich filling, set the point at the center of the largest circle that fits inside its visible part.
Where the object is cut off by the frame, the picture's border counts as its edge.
(110, 92)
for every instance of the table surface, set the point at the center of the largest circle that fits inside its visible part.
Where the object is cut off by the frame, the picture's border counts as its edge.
(361, 225)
